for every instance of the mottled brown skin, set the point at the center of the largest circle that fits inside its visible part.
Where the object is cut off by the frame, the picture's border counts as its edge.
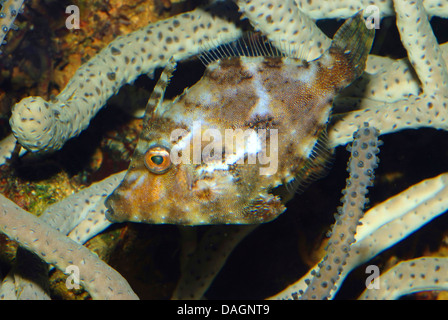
(300, 98)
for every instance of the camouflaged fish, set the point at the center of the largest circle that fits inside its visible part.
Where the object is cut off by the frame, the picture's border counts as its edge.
(255, 122)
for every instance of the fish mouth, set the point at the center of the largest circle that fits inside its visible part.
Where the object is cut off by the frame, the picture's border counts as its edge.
(111, 212)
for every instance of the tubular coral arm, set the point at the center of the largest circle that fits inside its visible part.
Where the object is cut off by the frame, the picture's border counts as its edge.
(39, 125)
(8, 13)
(100, 280)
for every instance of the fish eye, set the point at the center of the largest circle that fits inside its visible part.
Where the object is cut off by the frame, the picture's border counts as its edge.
(157, 159)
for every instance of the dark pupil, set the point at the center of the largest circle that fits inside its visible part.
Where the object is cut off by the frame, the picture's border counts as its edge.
(158, 160)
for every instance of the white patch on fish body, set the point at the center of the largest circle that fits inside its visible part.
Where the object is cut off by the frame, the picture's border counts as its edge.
(262, 107)
(206, 98)
(212, 166)
(309, 75)
(136, 184)
(252, 146)
(133, 176)
(183, 142)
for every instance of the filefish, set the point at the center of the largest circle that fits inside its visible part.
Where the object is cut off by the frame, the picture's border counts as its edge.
(230, 148)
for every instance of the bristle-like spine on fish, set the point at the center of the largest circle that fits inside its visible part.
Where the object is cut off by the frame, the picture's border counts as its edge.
(249, 45)
(156, 98)
(355, 40)
(316, 166)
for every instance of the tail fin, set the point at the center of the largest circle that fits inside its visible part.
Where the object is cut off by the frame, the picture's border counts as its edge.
(355, 40)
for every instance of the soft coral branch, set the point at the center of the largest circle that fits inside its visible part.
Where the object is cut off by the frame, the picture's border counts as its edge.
(8, 13)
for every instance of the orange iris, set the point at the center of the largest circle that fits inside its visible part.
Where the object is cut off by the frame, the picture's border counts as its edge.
(157, 159)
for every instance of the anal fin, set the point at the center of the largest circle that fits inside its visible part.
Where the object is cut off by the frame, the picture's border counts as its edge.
(316, 166)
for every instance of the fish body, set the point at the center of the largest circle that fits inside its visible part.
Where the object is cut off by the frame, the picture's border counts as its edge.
(219, 153)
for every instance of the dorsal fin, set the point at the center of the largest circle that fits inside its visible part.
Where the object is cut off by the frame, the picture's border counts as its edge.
(156, 98)
(249, 45)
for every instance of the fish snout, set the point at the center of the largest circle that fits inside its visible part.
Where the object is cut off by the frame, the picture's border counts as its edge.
(111, 203)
